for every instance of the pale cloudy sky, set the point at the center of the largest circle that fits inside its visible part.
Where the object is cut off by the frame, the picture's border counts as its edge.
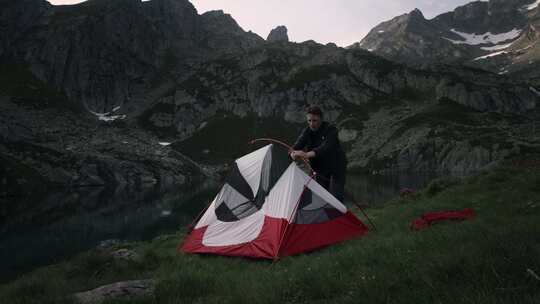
(340, 21)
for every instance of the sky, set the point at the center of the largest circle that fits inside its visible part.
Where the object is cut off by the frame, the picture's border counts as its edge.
(342, 22)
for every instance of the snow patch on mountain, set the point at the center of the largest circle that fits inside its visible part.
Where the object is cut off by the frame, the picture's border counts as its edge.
(496, 47)
(107, 116)
(532, 6)
(486, 38)
(534, 90)
(490, 55)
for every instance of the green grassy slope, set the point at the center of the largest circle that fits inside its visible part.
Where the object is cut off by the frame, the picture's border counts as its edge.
(490, 259)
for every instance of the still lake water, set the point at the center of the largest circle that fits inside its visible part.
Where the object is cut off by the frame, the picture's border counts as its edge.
(63, 224)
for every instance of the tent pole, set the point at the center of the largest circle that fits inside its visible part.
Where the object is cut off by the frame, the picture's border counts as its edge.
(191, 226)
(288, 147)
(365, 214)
(354, 202)
(198, 217)
(292, 216)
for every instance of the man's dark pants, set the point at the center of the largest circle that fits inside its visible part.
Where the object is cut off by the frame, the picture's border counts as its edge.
(334, 183)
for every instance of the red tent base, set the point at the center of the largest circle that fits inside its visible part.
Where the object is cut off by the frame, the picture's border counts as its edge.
(272, 243)
(308, 237)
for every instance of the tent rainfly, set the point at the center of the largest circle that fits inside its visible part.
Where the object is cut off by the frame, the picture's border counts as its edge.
(269, 208)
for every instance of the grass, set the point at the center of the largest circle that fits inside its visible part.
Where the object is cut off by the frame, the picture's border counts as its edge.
(414, 96)
(382, 66)
(445, 111)
(460, 122)
(226, 136)
(160, 108)
(485, 260)
(312, 74)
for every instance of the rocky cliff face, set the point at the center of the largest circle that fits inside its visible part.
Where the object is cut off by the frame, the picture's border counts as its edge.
(109, 54)
(495, 16)
(221, 34)
(409, 38)
(497, 36)
(384, 109)
(159, 72)
(278, 34)
(108, 58)
(44, 144)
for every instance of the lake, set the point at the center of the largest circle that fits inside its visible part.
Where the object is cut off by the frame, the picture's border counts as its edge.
(64, 223)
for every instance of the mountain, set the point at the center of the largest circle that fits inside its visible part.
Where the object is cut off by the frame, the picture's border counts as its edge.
(391, 117)
(108, 54)
(278, 34)
(136, 93)
(500, 36)
(72, 75)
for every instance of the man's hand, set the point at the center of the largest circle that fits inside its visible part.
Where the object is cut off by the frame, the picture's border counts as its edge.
(298, 154)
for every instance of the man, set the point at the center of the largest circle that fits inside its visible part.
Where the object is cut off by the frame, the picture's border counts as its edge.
(319, 143)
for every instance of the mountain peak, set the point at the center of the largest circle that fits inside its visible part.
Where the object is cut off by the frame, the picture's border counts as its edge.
(221, 19)
(278, 34)
(214, 13)
(494, 35)
(416, 13)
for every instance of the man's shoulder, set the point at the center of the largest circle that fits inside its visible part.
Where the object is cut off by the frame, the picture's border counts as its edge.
(328, 127)
(305, 130)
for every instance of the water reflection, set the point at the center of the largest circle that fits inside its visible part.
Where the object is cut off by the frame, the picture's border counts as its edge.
(67, 222)
(379, 188)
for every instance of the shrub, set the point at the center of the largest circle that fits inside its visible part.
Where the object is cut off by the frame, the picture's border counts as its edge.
(441, 184)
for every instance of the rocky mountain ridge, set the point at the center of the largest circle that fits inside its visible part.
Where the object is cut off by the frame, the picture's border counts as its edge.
(112, 79)
(108, 54)
(67, 69)
(498, 36)
(382, 108)
(278, 34)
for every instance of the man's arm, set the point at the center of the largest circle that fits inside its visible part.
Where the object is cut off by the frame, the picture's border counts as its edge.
(301, 141)
(330, 142)
(301, 154)
(300, 144)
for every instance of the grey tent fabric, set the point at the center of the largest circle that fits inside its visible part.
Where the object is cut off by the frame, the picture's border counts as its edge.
(238, 198)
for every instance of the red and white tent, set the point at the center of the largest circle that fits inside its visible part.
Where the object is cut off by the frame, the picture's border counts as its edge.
(269, 208)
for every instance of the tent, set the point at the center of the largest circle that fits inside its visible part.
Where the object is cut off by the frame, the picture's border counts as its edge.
(269, 208)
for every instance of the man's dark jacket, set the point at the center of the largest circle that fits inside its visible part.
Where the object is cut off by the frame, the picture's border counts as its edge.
(329, 156)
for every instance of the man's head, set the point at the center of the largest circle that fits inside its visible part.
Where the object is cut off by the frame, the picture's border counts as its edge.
(314, 117)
